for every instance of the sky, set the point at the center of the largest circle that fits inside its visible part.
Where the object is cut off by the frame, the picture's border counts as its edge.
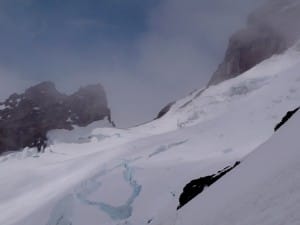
(146, 53)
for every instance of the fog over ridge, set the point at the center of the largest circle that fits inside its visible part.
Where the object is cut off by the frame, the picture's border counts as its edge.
(142, 65)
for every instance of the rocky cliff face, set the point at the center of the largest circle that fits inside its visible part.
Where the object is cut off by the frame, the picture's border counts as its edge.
(26, 118)
(270, 30)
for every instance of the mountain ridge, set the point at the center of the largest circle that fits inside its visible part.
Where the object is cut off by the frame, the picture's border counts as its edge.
(26, 118)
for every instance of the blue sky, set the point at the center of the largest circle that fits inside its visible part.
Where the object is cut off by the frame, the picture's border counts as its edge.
(44, 27)
(146, 53)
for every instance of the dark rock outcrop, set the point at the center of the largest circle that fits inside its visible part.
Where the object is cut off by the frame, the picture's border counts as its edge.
(288, 116)
(195, 187)
(164, 110)
(270, 30)
(26, 118)
(247, 48)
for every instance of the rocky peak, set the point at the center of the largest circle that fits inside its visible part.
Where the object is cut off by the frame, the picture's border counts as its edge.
(43, 90)
(43, 94)
(270, 30)
(86, 107)
(26, 118)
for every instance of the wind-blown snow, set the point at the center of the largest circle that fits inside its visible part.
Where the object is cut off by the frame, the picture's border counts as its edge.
(135, 176)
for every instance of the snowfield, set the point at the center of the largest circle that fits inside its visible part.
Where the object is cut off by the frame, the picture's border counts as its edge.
(264, 189)
(135, 176)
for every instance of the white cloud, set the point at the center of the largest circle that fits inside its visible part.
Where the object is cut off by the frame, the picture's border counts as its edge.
(184, 42)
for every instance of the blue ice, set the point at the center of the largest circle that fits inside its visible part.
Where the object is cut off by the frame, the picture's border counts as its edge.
(115, 212)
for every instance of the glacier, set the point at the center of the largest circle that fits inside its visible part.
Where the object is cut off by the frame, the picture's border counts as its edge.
(135, 176)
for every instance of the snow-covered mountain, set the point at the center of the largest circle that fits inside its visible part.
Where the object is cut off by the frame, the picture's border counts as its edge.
(136, 176)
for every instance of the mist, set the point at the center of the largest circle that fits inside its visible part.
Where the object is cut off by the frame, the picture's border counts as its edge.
(153, 54)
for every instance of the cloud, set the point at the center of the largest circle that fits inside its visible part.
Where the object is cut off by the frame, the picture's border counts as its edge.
(144, 60)
(183, 46)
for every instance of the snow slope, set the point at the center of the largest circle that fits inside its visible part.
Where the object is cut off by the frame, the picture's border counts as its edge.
(263, 190)
(135, 176)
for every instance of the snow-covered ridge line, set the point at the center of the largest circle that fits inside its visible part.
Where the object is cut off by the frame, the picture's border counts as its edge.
(252, 80)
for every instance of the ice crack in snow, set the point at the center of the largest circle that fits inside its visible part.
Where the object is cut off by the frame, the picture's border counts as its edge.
(115, 212)
(124, 211)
